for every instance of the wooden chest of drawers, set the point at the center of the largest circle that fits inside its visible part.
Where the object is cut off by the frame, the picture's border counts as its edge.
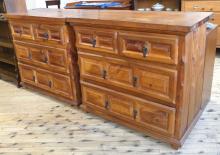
(143, 80)
(45, 57)
(205, 5)
(136, 68)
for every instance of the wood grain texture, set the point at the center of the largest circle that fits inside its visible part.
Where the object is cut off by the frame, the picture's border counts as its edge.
(51, 127)
(172, 21)
(46, 58)
(148, 79)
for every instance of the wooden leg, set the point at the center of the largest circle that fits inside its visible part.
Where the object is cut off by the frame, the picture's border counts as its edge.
(59, 6)
(175, 146)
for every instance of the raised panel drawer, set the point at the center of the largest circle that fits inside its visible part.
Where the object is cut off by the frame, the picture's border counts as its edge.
(54, 83)
(52, 34)
(147, 81)
(147, 114)
(22, 31)
(149, 47)
(45, 57)
(202, 6)
(100, 40)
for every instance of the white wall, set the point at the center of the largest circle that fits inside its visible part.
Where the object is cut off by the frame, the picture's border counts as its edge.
(32, 4)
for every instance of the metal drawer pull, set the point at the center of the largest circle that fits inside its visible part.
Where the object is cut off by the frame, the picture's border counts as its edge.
(45, 59)
(93, 43)
(135, 80)
(135, 114)
(33, 78)
(30, 56)
(104, 74)
(46, 35)
(145, 51)
(18, 31)
(106, 104)
(50, 84)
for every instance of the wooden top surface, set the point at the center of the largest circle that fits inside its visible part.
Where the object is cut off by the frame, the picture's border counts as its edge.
(169, 21)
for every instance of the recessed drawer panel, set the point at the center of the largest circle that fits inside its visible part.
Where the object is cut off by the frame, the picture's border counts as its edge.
(149, 47)
(156, 116)
(97, 68)
(99, 40)
(94, 97)
(48, 58)
(53, 34)
(93, 68)
(27, 74)
(155, 82)
(147, 114)
(22, 31)
(202, 6)
(54, 83)
(147, 81)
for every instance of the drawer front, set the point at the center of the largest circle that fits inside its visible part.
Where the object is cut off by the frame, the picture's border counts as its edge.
(100, 40)
(155, 82)
(97, 68)
(149, 47)
(94, 98)
(22, 31)
(147, 81)
(52, 34)
(27, 74)
(156, 116)
(93, 68)
(99, 99)
(144, 113)
(202, 6)
(48, 58)
(54, 83)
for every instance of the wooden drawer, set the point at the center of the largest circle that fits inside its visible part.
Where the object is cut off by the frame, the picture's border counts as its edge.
(45, 57)
(100, 40)
(148, 81)
(52, 34)
(22, 31)
(144, 113)
(202, 6)
(149, 47)
(54, 83)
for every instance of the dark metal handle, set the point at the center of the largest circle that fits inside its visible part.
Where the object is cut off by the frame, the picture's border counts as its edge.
(106, 104)
(45, 59)
(93, 42)
(34, 79)
(30, 56)
(145, 51)
(50, 84)
(135, 79)
(104, 74)
(46, 35)
(135, 114)
(18, 31)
